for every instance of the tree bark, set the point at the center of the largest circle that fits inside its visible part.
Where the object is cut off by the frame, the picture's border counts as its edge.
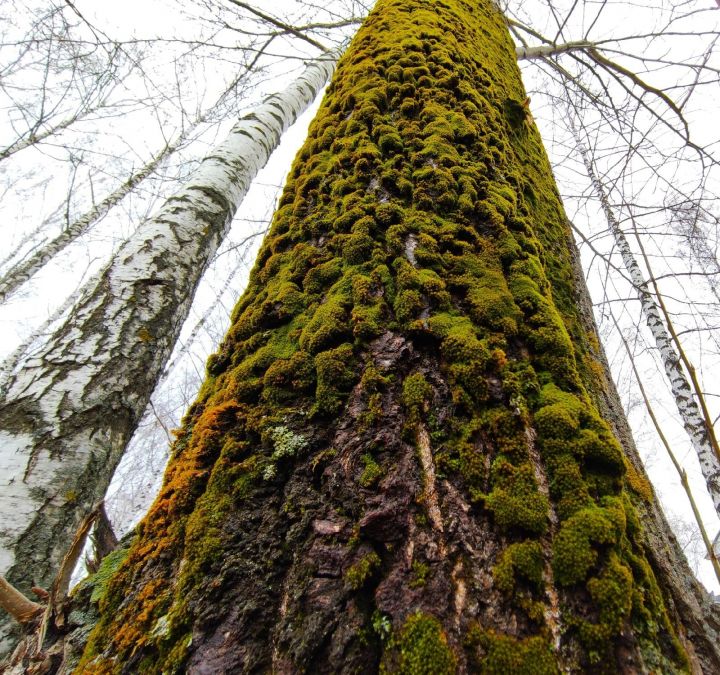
(68, 415)
(399, 460)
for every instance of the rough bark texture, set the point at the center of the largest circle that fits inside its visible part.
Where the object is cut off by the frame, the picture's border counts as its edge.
(398, 460)
(67, 416)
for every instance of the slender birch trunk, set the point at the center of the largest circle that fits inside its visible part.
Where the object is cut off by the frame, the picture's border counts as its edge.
(688, 409)
(21, 272)
(68, 415)
(25, 269)
(34, 137)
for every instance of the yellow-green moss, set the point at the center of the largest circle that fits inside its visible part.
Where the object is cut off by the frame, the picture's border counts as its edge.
(108, 567)
(420, 574)
(372, 472)
(421, 648)
(496, 654)
(416, 394)
(519, 562)
(358, 574)
(515, 502)
(575, 548)
(335, 375)
(611, 592)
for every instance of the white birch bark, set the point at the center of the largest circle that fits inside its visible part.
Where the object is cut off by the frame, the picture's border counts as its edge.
(21, 272)
(524, 53)
(687, 406)
(69, 413)
(17, 275)
(35, 137)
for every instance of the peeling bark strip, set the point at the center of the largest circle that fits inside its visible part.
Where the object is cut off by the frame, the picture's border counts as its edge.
(397, 462)
(682, 392)
(69, 413)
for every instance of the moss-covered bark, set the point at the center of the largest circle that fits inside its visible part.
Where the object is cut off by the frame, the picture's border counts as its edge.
(397, 461)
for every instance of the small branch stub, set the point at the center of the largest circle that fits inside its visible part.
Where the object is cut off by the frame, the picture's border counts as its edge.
(16, 604)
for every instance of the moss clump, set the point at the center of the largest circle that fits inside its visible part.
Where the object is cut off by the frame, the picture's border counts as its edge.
(519, 562)
(335, 376)
(416, 394)
(372, 471)
(319, 278)
(330, 324)
(503, 654)
(466, 355)
(575, 549)
(108, 567)
(515, 501)
(421, 648)
(359, 574)
(285, 378)
(611, 592)
(420, 574)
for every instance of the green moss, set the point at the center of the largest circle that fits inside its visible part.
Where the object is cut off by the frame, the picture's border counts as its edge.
(330, 324)
(422, 648)
(569, 488)
(245, 476)
(611, 592)
(515, 502)
(360, 573)
(335, 376)
(503, 654)
(420, 574)
(319, 278)
(520, 561)
(491, 304)
(408, 305)
(372, 471)
(108, 567)
(506, 431)
(417, 392)
(356, 247)
(285, 378)
(575, 549)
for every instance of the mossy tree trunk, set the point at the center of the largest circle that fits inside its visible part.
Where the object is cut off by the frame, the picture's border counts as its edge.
(402, 457)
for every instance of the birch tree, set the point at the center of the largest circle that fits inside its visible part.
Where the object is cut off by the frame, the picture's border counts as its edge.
(24, 269)
(699, 428)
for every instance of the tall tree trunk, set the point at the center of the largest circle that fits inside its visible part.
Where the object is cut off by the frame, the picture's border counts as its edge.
(69, 413)
(398, 460)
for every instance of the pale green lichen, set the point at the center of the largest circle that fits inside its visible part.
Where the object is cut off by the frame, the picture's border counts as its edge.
(286, 443)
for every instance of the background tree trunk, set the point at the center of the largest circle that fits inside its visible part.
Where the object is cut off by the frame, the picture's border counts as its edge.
(398, 459)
